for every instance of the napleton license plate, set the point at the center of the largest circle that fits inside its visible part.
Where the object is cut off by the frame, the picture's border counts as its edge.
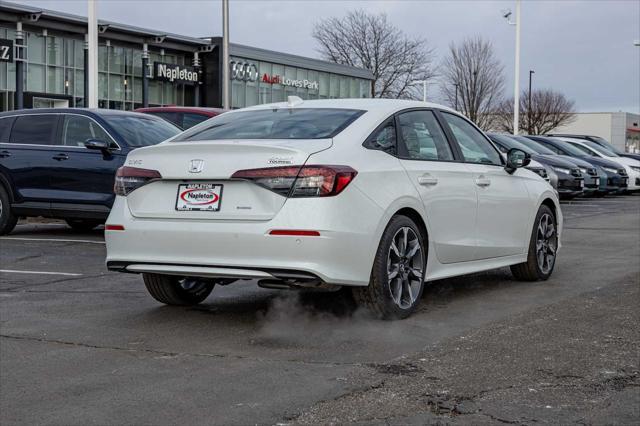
(199, 197)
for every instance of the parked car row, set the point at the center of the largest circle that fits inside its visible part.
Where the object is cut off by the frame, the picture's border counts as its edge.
(377, 195)
(577, 166)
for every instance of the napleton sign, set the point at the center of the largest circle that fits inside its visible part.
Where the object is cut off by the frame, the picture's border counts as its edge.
(174, 72)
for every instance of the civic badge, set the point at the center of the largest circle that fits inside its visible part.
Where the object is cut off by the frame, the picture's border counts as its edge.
(196, 166)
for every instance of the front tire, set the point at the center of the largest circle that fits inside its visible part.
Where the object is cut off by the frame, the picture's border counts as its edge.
(397, 276)
(175, 290)
(543, 247)
(8, 219)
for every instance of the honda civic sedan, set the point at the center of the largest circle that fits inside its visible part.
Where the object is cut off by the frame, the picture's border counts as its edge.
(377, 195)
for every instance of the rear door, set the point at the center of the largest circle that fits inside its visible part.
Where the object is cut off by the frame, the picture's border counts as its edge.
(504, 206)
(82, 178)
(445, 185)
(25, 157)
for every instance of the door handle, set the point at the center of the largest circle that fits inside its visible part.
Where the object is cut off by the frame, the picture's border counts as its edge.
(483, 181)
(427, 180)
(5, 154)
(60, 157)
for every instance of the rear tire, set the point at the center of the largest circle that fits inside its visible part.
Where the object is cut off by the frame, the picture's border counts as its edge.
(83, 225)
(543, 247)
(397, 276)
(175, 290)
(8, 219)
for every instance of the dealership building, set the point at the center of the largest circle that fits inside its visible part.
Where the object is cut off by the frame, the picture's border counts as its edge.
(139, 67)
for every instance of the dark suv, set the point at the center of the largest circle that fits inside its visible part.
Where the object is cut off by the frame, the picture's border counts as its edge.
(61, 163)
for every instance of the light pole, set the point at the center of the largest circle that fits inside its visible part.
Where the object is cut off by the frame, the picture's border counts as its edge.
(424, 88)
(91, 91)
(636, 43)
(531, 72)
(516, 94)
(226, 104)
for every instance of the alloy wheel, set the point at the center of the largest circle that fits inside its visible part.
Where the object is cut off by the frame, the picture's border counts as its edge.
(405, 265)
(546, 243)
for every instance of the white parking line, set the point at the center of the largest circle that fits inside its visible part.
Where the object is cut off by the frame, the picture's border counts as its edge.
(61, 240)
(13, 271)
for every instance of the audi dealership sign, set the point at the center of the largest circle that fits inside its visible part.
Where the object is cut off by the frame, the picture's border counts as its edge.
(247, 71)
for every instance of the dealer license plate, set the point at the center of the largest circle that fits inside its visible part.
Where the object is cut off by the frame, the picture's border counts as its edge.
(199, 197)
(581, 184)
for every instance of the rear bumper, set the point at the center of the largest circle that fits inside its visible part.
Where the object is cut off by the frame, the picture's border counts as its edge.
(342, 254)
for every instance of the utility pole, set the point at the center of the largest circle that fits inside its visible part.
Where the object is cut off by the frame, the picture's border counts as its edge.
(506, 14)
(516, 93)
(226, 104)
(91, 91)
(530, 131)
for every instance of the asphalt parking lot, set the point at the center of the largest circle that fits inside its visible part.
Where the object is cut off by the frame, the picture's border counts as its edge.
(81, 345)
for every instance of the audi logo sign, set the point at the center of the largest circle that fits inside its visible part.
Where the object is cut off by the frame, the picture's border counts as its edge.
(243, 71)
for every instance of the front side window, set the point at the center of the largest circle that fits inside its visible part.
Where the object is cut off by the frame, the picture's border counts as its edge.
(34, 129)
(77, 129)
(474, 146)
(422, 137)
(384, 138)
(277, 123)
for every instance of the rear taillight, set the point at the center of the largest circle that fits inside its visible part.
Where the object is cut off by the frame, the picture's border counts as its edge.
(301, 181)
(129, 179)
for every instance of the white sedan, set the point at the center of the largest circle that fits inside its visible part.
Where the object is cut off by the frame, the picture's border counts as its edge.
(631, 166)
(378, 195)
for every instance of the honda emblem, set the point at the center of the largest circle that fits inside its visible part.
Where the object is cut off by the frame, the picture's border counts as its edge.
(196, 166)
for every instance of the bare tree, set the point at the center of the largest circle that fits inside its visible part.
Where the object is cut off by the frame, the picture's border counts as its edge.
(549, 109)
(473, 80)
(370, 41)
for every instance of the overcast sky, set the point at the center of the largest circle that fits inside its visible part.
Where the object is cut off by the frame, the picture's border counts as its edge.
(582, 48)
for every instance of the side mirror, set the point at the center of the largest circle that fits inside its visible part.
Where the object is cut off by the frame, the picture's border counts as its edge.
(97, 144)
(516, 158)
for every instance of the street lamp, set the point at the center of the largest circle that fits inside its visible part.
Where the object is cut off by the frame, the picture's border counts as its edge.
(516, 95)
(424, 88)
(226, 104)
(636, 43)
(531, 72)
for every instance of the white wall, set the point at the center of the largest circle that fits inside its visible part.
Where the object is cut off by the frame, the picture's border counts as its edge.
(611, 126)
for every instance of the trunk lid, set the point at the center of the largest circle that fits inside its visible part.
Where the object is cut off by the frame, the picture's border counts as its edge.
(211, 163)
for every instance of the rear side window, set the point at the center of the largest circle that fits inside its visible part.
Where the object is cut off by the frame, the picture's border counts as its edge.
(384, 138)
(5, 128)
(34, 129)
(422, 137)
(277, 123)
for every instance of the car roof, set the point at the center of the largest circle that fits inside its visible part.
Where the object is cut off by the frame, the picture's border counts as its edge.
(367, 104)
(197, 110)
(82, 111)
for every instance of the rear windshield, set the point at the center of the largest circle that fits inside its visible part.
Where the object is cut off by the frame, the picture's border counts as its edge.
(141, 130)
(280, 123)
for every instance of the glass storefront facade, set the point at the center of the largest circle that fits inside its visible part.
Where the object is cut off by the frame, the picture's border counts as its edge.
(188, 70)
(55, 66)
(264, 82)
